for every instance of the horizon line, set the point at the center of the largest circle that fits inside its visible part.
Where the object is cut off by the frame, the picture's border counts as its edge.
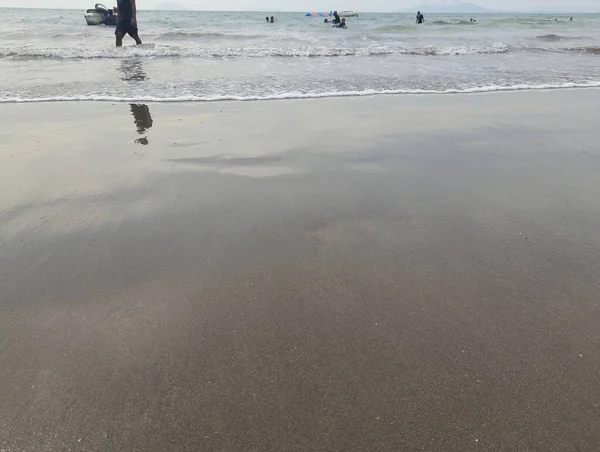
(303, 12)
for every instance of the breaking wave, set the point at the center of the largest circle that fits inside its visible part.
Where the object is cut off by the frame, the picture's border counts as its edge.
(593, 50)
(590, 50)
(453, 22)
(158, 51)
(299, 95)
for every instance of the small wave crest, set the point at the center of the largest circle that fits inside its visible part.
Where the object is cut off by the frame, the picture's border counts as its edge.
(180, 36)
(550, 38)
(592, 50)
(394, 28)
(453, 22)
(299, 95)
(461, 50)
(189, 52)
(157, 51)
(589, 50)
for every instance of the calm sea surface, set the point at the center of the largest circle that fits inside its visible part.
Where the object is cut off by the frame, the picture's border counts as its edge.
(53, 55)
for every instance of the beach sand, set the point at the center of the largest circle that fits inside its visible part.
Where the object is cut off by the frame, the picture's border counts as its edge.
(364, 274)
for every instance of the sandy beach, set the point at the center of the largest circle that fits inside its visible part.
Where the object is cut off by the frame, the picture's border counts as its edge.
(401, 273)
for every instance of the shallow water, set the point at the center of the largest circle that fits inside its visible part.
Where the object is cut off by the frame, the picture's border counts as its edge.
(54, 55)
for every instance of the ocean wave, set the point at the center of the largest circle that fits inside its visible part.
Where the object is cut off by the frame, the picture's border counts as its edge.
(394, 28)
(188, 52)
(461, 50)
(550, 38)
(453, 22)
(180, 35)
(593, 50)
(156, 51)
(558, 38)
(590, 50)
(298, 95)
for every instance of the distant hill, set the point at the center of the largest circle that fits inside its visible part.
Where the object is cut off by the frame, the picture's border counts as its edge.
(449, 6)
(168, 6)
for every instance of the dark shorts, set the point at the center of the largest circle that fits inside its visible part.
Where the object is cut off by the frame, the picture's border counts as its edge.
(124, 27)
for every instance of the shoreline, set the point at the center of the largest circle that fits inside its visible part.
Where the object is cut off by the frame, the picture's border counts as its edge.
(351, 94)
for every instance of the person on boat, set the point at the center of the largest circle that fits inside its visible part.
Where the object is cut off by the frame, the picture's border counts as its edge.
(127, 22)
(336, 18)
(420, 17)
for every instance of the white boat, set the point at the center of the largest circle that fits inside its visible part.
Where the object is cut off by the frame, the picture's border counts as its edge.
(347, 14)
(93, 17)
(100, 15)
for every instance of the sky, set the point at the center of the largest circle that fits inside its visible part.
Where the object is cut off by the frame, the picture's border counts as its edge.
(316, 5)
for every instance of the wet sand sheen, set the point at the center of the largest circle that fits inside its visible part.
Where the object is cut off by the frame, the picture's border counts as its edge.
(402, 273)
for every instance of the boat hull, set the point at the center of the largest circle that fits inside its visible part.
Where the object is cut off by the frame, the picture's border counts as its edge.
(93, 17)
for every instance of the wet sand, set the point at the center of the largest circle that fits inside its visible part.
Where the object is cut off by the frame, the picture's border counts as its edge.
(378, 274)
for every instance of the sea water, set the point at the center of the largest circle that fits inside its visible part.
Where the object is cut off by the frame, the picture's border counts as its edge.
(199, 56)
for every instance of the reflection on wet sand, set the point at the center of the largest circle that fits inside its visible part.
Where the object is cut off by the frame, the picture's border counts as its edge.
(132, 70)
(143, 121)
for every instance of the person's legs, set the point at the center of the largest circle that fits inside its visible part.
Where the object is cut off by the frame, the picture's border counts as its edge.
(119, 37)
(133, 32)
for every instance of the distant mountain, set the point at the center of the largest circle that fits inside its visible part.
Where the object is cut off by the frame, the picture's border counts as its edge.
(169, 6)
(449, 6)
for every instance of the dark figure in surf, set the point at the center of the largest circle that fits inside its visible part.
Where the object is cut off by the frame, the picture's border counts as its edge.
(272, 19)
(342, 24)
(420, 17)
(267, 19)
(127, 23)
(336, 18)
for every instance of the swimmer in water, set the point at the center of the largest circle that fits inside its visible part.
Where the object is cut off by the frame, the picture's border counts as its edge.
(342, 24)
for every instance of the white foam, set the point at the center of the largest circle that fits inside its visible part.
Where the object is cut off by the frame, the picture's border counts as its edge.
(496, 47)
(295, 95)
(151, 50)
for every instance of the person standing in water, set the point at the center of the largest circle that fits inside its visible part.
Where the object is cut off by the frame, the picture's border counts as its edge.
(420, 17)
(127, 22)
